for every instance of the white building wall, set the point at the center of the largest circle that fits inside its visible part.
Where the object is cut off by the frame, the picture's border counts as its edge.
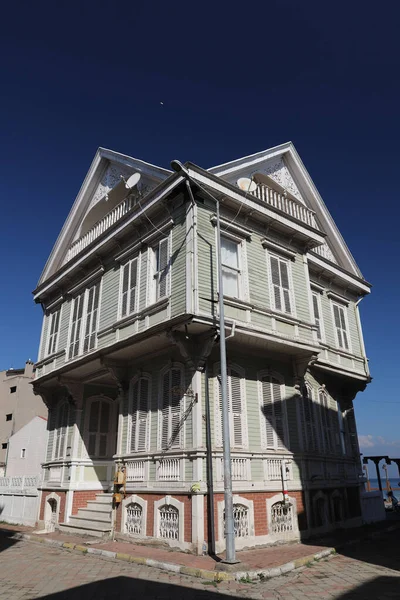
(33, 439)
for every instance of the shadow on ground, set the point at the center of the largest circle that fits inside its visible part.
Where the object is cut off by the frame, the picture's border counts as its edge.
(6, 539)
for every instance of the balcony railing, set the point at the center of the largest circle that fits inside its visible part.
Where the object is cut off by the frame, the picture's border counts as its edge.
(100, 227)
(285, 204)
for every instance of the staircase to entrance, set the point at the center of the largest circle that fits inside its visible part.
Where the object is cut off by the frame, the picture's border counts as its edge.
(94, 520)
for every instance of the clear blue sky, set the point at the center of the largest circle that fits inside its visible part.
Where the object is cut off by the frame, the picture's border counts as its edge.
(77, 75)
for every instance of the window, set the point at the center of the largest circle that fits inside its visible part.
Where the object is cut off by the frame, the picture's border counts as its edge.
(4, 446)
(309, 420)
(273, 424)
(60, 434)
(84, 322)
(9, 417)
(230, 265)
(171, 408)
(53, 332)
(339, 317)
(98, 428)
(317, 314)
(330, 422)
(280, 284)
(129, 288)
(23, 452)
(13, 389)
(139, 418)
(236, 407)
(161, 268)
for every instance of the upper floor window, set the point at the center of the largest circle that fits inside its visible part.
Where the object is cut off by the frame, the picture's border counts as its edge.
(23, 452)
(60, 434)
(160, 268)
(139, 416)
(172, 401)
(340, 322)
(316, 299)
(273, 425)
(13, 389)
(84, 322)
(54, 327)
(9, 417)
(129, 288)
(281, 284)
(236, 407)
(230, 265)
(4, 446)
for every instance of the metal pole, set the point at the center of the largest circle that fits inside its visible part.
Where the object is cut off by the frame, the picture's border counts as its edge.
(226, 445)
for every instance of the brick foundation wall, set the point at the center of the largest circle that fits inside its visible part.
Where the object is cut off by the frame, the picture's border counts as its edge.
(260, 511)
(151, 498)
(81, 498)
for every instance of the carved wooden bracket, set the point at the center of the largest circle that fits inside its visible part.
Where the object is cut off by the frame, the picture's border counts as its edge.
(119, 372)
(195, 349)
(45, 393)
(75, 390)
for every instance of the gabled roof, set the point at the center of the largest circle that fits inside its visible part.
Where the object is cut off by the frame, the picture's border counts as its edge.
(249, 165)
(102, 159)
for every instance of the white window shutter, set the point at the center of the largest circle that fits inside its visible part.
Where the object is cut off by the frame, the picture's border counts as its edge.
(268, 410)
(317, 317)
(165, 410)
(238, 416)
(133, 285)
(276, 282)
(143, 415)
(125, 286)
(134, 417)
(162, 268)
(285, 286)
(176, 397)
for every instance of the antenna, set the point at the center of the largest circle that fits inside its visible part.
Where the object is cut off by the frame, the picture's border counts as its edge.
(246, 184)
(132, 181)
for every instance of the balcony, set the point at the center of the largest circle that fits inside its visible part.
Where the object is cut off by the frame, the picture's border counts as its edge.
(119, 211)
(286, 204)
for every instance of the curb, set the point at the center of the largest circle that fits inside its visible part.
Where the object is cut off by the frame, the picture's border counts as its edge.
(217, 576)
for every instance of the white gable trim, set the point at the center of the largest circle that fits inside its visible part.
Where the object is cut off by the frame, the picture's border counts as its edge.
(302, 180)
(76, 214)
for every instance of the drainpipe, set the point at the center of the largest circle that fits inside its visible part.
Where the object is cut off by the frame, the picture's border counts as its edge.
(210, 475)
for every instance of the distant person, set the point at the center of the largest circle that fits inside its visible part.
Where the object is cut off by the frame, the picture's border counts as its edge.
(393, 500)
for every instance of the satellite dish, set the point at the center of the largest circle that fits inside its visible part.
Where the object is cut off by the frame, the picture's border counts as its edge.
(132, 181)
(246, 184)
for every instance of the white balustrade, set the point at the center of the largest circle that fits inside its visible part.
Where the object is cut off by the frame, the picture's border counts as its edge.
(168, 469)
(135, 470)
(285, 204)
(19, 482)
(240, 469)
(273, 469)
(100, 227)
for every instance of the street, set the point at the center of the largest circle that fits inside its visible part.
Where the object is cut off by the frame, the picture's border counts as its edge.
(31, 570)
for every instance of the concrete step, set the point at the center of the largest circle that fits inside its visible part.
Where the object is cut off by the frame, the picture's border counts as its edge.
(90, 523)
(99, 506)
(74, 529)
(97, 515)
(103, 498)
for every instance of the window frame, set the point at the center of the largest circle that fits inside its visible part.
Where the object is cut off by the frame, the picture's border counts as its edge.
(128, 264)
(288, 262)
(238, 270)
(155, 274)
(218, 412)
(131, 403)
(110, 434)
(263, 421)
(61, 454)
(52, 338)
(317, 295)
(182, 408)
(80, 339)
(342, 307)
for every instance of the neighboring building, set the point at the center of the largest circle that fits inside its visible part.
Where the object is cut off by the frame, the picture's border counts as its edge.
(18, 405)
(128, 361)
(27, 449)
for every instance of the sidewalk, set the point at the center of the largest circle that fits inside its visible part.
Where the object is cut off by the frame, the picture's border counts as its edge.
(263, 562)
